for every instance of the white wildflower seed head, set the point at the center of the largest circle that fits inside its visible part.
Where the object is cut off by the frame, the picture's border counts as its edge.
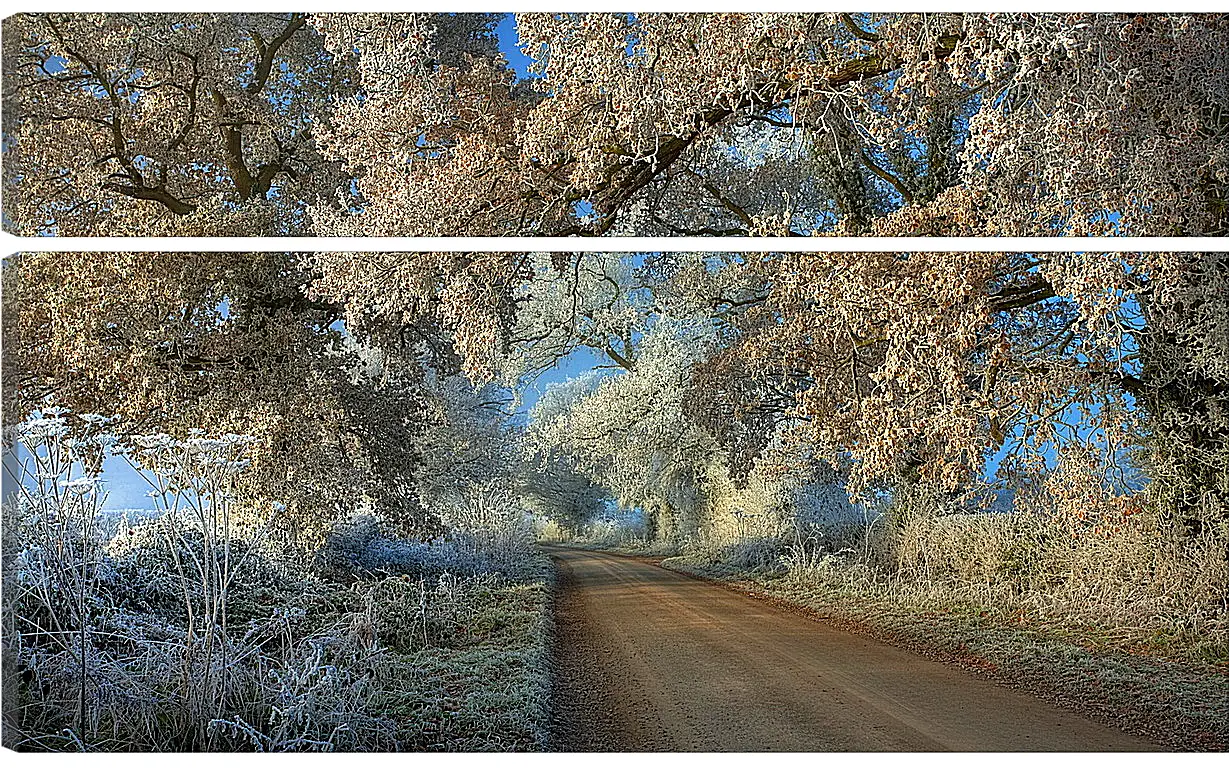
(82, 486)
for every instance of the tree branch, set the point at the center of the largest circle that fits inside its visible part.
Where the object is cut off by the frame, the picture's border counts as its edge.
(1015, 297)
(627, 176)
(879, 171)
(156, 194)
(268, 51)
(232, 140)
(857, 31)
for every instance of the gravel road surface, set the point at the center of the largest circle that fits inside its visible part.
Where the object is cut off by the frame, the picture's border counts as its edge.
(653, 660)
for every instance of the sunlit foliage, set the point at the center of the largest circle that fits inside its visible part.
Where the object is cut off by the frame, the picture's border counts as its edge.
(650, 124)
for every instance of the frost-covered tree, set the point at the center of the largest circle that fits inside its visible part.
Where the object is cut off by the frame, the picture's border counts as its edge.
(653, 124)
(160, 124)
(919, 367)
(739, 124)
(891, 368)
(628, 433)
(555, 490)
(510, 316)
(466, 440)
(596, 301)
(392, 299)
(229, 343)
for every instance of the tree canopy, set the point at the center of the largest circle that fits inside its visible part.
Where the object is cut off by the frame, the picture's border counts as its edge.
(386, 379)
(645, 124)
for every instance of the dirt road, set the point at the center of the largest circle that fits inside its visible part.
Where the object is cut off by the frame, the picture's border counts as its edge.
(650, 659)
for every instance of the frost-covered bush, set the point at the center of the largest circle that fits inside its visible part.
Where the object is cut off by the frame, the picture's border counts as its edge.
(361, 548)
(759, 553)
(142, 574)
(1108, 566)
(486, 530)
(108, 636)
(442, 612)
(54, 561)
(618, 527)
(489, 522)
(328, 696)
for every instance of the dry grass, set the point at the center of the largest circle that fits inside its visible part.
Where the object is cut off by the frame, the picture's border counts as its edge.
(453, 661)
(1135, 583)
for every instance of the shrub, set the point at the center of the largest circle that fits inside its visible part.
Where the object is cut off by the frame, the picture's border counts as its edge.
(359, 547)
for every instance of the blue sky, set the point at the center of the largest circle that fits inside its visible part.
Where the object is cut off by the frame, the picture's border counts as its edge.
(125, 489)
(575, 364)
(506, 32)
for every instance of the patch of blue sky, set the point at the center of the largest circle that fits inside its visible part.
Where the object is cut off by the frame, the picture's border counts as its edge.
(1008, 101)
(429, 151)
(126, 488)
(632, 46)
(509, 45)
(1078, 425)
(1111, 218)
(581, 362)
(583, 210)
(826, 218)
(757, 143)
(121, 485)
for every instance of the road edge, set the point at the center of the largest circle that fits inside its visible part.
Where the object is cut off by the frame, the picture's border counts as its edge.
(1132, 693)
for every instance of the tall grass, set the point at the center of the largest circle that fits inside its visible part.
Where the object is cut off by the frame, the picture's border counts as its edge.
(191, 631)
(1139, 579)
